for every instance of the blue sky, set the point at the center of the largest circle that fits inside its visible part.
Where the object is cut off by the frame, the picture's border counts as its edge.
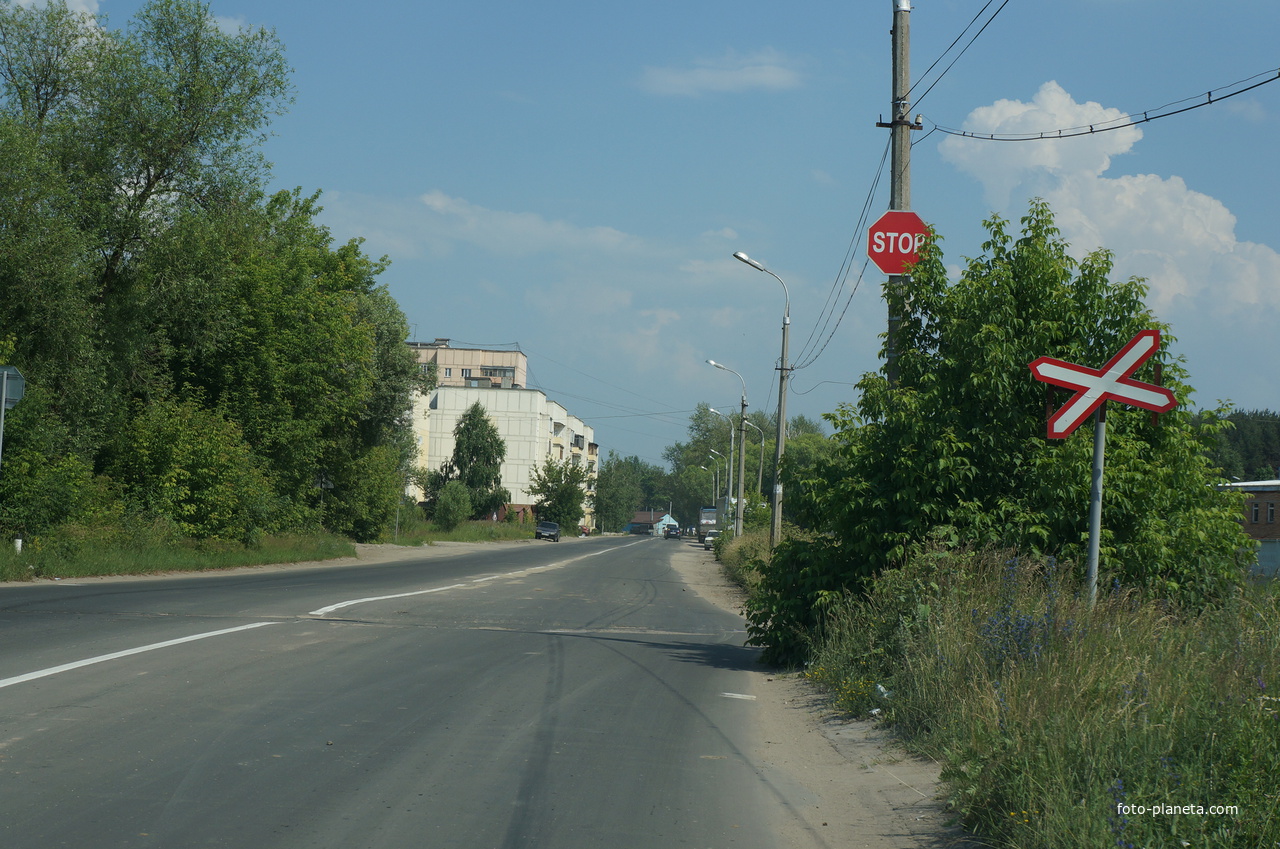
(574, 177)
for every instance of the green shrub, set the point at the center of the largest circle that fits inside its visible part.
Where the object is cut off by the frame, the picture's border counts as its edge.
(453, 507)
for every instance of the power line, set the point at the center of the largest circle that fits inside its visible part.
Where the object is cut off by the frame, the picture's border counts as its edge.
(952, 45)
(1128, 120)
(842, 276)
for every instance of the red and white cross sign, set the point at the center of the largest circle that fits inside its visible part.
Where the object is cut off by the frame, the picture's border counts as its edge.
(1112, 382)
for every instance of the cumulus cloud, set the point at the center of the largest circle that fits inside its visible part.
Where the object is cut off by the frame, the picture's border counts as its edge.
(764, 70)
(1003, 166)
(1213, 287)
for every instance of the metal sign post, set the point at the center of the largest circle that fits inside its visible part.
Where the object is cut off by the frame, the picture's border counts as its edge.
(12, 387)
(1093, 388)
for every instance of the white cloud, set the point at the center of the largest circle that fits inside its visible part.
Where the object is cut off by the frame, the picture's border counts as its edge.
(1003, 166)
(230, 26)
(451, 219)
(1216, 290)
(90, 6)
(764, 70)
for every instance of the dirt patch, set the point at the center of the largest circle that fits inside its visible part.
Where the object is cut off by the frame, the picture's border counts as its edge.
(851, 784)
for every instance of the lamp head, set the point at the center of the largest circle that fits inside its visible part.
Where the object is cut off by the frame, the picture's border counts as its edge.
(742, 257)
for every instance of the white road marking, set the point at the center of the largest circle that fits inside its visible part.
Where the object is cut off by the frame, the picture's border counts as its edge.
(738, 696)
(325, 610)
(67, 667)
(518, 574)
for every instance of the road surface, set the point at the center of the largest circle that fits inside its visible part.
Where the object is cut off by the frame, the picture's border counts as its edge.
(574, 694)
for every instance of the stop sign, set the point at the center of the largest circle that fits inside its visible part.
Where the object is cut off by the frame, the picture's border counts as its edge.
(894, 241)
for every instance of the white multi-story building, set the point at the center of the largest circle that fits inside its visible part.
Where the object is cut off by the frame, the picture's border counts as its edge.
(534, 427)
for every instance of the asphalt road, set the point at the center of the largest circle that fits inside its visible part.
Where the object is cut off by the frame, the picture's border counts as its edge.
(572, 694)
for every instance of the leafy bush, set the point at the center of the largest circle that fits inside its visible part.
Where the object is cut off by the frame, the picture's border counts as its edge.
(959, 442)
(453, 507)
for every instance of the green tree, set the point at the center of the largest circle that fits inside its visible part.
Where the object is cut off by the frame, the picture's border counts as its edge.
(192, 467)
(559, 488)
(1250, 448)
(478, 452)
(960, 442)
(618, 491)
(142, 264)
(454, 506)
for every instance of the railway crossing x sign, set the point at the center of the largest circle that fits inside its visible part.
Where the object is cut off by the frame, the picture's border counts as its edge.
(1112, 382)
(1093, 389)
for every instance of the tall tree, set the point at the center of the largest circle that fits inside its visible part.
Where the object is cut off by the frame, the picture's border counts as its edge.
(146, 279)
(476, 462)
(560, 490)
(621, 490)
(960, 442)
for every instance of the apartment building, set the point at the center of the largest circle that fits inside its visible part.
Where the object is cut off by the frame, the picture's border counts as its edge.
(486, 368)
(534, 427)
(1259, 521)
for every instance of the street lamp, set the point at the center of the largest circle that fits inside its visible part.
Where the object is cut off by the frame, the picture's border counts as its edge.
(729, 468)
(760, 477)
(742, 465)
(775, 529)
(728, 493)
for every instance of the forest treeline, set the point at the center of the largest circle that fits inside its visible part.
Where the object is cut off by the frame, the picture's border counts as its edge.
(202, 358)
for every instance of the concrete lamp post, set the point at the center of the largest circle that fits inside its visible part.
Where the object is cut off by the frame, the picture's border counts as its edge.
(775, 528)
(742, 466)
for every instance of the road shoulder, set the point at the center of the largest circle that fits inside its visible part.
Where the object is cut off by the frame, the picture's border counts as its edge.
(852, 784)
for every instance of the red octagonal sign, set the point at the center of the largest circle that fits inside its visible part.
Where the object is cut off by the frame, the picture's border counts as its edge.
(894, 241)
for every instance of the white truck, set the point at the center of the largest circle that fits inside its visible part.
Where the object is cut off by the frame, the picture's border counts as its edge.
(708, 520)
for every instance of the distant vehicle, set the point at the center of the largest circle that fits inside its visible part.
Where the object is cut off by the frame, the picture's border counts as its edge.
(707, 520)
(672, 532)
(547, 530)
(709, 539)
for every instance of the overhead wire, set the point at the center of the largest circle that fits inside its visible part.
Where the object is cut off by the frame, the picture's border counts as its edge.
(803, 360)
(961, 53)
(809, 355)
(1127, 119)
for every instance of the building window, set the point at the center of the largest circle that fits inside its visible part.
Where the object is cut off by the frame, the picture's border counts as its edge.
(1254, 513)
(466, 372)
(448, 372)
(1271, 512)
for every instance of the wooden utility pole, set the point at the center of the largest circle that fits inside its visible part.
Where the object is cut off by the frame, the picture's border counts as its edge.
(900, 126)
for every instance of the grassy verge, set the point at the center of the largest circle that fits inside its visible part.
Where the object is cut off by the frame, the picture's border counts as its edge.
(148, 550)
(1131, 724)
(62, 559)
(420, 532)
(739, 556)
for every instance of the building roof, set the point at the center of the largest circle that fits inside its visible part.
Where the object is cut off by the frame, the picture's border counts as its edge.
(650, 516)
(1255, 486)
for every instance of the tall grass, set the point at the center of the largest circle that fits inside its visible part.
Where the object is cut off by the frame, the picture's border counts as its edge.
(425, 533)
(73, 558)
(1061, 725)
(740, 556)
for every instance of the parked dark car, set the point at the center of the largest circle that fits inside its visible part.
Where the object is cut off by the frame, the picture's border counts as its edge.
(547, 530)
